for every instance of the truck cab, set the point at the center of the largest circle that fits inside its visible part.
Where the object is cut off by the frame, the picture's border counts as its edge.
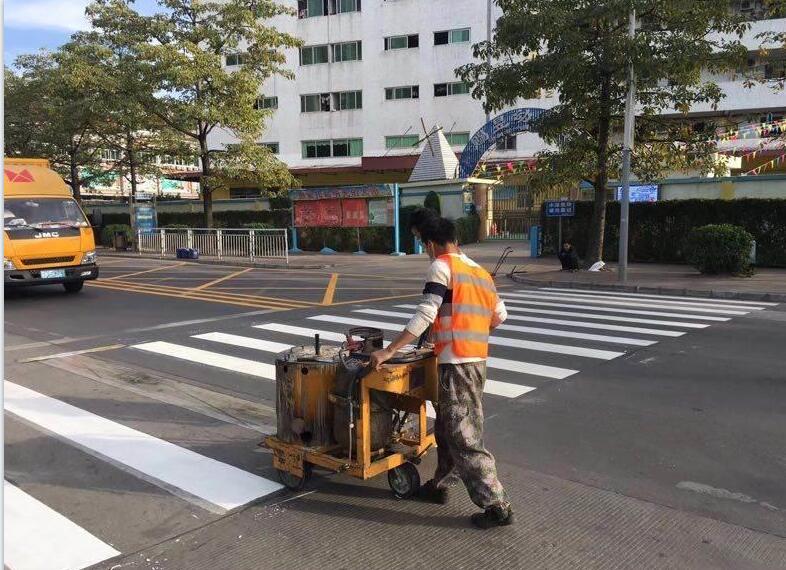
(46, 239)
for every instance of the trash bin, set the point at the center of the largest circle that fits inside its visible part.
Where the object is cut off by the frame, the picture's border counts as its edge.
(120, 241)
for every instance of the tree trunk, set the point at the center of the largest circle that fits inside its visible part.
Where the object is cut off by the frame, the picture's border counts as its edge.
(76, 189)
(598, 227)
(204, 186)
(132, 179)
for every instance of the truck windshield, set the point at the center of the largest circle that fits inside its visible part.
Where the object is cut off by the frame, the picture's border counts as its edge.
(40, 212)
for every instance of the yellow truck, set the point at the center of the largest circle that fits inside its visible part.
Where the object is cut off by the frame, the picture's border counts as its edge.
(47, 238)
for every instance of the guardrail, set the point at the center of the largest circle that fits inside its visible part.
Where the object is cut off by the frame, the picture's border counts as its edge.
(219, 243)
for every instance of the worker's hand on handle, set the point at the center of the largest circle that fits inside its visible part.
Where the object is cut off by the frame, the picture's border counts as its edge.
(380, 357)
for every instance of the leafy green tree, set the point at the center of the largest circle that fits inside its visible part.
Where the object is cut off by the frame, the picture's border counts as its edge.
(191, 92)
(581, 49)
(47, 117)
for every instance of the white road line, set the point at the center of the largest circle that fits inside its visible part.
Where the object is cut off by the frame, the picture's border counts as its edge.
(534, 330)
(216, 359)
(213, 485)
(663, 302)
(500, 341)
(580, 324)
(615, 310)
(39, 538)
(244, 341)
(506, 389)
(521, 367)
(597, 301)
(654, 296)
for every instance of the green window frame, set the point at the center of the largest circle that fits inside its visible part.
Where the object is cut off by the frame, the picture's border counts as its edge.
(348, 51)
(313, 55)
(403, 92)
(347, 100)
(457, 139)
(401, 141)
(266, 103)
(332, 148)
(235, 59)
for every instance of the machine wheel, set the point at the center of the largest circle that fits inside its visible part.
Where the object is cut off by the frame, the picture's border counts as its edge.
(293, 482)
(404, 480)
(73, 286)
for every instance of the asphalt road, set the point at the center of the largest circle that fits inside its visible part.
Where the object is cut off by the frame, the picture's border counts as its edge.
(645, 432)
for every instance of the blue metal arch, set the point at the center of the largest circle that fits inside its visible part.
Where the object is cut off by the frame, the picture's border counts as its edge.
(508, 123)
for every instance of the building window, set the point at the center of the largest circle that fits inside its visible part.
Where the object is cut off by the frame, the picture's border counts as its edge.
(110, 154)
(273, 146)
(235, 193)
(312, 8)
(332, 148)
(508, 142)
(235, 59)
(311, 55)
(401, 42)
(401, 141)
(347, 100)
(406, 92)
(457, 139)
(266, 103)
(347, 51)
(455, 88)
(315, 103)
(460, 36)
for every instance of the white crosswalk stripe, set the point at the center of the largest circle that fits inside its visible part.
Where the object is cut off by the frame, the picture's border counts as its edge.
(39, 538)
(532, 330)
(232, 363)
(548, 321)
(211, 484)
(664, 302)
(500, 341)
(644, 305)
(654, 296)
(618, 310)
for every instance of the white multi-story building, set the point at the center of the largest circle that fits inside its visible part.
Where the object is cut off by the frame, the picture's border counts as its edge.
(373, 73)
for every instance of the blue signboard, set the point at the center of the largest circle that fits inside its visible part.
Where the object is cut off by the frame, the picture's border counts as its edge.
(641, 193)
(146, 219)
(560, 208)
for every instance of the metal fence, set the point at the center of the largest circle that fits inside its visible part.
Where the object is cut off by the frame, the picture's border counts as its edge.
(509, 225)
(219, 243)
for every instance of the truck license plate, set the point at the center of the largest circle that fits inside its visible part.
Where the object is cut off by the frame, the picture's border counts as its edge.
(52, 273)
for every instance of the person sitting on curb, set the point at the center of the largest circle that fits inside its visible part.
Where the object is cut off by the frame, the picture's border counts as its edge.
(568, 257)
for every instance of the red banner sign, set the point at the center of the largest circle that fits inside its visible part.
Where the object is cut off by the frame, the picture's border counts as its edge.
(318, 213)
(355, 213)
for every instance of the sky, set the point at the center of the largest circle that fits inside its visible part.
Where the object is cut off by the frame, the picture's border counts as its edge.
(31, 25)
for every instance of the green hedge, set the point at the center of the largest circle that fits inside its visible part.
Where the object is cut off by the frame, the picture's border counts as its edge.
(659, 231)
(228, 219)
(108, 233)
(720, 248)
(373, 240)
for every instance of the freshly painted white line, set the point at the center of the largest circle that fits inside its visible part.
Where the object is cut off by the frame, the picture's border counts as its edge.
(216, 359)
(551, 372)
(591, 316)
(662, 302)
(654, 296)
(39, 538)
(202, 480)
(539, 331)
(615, 310)
(514, 343)
(506, 389)
(581, 324)
(244, 341)
(598, 301)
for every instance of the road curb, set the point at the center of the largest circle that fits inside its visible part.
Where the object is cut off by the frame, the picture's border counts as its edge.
(239, 263)
(657, 290)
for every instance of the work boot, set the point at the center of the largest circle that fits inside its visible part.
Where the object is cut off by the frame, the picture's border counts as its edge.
(433, 494)
(493, 516)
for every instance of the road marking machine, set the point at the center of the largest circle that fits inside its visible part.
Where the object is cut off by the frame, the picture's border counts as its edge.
(336, 413)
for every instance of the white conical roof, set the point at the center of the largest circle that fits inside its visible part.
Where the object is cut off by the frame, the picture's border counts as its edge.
(437, 160)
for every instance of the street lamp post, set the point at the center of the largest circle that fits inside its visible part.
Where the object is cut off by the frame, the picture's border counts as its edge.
(627, 151)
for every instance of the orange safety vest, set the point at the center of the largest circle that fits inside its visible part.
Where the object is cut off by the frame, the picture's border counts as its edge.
(465, 322)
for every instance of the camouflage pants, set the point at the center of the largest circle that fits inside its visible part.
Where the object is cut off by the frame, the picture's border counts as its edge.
(459, 433)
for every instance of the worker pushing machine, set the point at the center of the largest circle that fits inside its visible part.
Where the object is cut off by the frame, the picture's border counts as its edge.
(461, 304)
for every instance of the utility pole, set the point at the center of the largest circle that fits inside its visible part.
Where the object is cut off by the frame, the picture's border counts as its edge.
(627, 151)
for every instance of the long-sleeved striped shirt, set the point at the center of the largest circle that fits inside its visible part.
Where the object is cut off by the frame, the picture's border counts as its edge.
(438, 288)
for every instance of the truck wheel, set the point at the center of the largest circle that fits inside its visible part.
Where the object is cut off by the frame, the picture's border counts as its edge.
(73, 286)
(293, 482)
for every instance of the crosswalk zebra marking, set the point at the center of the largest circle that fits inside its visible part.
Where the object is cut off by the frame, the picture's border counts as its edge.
(532, 330)
(213, 485)
(665, 303)
(37, 537)
(579, 324)
(621, 310)
(244, 342)
(642, 305)
(500, 341)
(654, 296)
(681, 324)
(216, 359)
